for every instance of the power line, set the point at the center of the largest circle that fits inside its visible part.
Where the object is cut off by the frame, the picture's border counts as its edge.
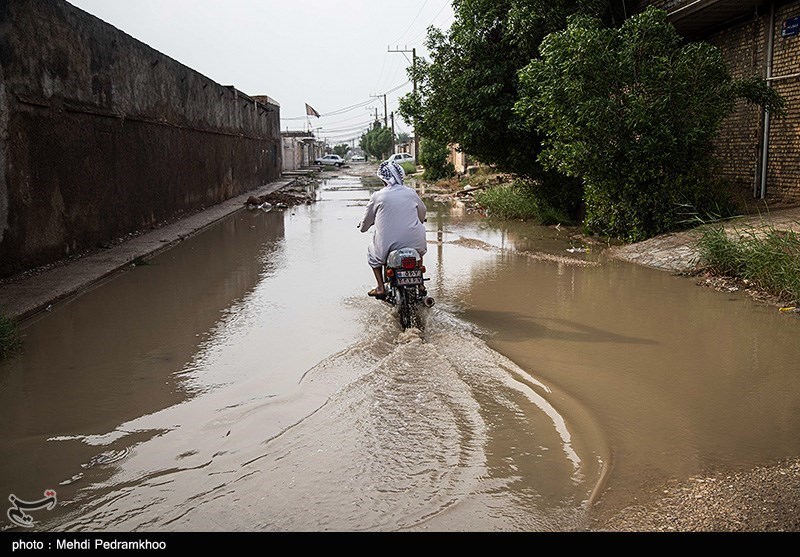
(351, 107)
(425, 31)
(349, 128)
(412, 22)
(337, 122)
(413, 52)
(336, 112)
(380, 74)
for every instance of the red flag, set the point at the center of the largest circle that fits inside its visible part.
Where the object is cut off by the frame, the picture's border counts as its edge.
(310, 111)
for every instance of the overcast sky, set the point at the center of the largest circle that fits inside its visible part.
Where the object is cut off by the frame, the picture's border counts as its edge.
(332, 55)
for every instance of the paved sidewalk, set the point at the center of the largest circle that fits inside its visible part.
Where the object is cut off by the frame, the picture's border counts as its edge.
(676, 252)
(27, 296)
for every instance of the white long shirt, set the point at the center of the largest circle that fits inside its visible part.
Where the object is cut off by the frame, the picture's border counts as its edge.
(398, 214)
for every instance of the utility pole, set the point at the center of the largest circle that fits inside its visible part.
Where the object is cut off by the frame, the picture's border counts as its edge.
(371, 126)
(413, 52)
(393, 136)
(385, 118)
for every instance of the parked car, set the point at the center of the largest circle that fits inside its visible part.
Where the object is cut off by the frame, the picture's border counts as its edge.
(357, 158)
(400, 158)
(331, 160)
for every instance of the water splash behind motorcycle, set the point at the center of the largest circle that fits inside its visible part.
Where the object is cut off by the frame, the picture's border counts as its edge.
(405, 286)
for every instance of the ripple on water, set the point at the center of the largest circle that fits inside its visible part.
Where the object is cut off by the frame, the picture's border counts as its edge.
(399, 440)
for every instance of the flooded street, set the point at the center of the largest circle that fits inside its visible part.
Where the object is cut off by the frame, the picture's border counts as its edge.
(244, 381)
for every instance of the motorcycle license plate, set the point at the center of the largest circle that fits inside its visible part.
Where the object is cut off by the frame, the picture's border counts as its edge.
(408, 276)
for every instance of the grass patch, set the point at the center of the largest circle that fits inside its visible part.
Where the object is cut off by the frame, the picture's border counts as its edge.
(409, 168)
(766, 256)
(514, 202)
(10, 339)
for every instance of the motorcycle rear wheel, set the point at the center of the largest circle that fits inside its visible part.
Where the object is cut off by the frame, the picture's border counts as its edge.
(407, 309)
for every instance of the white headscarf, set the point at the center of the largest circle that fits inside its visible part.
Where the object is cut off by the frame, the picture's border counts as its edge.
(391, 173)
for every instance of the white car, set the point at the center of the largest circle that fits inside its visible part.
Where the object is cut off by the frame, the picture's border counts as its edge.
(357, 158)
(400, 158)
(331, 160)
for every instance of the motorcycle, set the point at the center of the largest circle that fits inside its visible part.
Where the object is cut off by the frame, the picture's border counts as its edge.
(405, 279)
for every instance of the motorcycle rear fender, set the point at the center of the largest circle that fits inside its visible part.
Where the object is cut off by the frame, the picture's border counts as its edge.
(396, 257)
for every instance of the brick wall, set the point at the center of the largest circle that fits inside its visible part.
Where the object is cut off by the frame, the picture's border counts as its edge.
(784, 137)
(739, 143)
(743, 44)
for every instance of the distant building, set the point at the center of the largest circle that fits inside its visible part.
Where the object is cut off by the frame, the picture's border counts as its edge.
(297, 149)
(461, 161)
(405, 147)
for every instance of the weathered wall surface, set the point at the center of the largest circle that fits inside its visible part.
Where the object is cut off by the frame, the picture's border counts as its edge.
(743, 42)
(739, 145)
(100, 135)
(299, 150)
(784, 134)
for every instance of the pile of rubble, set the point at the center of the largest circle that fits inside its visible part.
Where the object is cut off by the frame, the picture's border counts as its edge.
(280, 200)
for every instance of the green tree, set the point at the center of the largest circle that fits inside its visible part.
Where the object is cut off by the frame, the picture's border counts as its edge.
(468, 88)
(639, 133)
(433, 157)
(377, 142)
(341, 149)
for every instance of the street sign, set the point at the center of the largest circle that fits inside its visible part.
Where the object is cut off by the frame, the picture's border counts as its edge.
(791, 27)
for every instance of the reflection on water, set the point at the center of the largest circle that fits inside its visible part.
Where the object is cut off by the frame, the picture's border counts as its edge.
(681, 378)
(118, 351)
(246, 369)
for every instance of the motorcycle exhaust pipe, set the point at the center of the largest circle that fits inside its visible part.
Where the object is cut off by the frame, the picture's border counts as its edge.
(428, 302)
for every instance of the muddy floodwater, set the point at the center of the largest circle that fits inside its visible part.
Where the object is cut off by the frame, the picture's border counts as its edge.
(243, 381)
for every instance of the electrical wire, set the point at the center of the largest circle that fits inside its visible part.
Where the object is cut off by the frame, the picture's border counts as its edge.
(412, 22)
(351, 107)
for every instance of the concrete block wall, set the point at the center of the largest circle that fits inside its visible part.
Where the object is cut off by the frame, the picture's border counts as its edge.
(101, 135)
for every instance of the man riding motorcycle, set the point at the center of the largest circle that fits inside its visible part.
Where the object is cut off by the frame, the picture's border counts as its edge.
(398, 214)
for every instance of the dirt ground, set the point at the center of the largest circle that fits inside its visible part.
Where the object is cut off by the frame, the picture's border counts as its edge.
(764, 499)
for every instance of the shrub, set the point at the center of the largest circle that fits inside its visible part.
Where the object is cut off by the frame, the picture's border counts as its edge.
(409, 168)
(639, 134)
(433, 157)
(515, 201)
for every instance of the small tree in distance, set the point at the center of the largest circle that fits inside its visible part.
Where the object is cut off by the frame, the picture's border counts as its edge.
(341, 149)
(377, 142)
(433, 157)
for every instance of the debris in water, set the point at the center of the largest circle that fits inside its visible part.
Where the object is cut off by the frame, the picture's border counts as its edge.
(280, 200)
(480, 244)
